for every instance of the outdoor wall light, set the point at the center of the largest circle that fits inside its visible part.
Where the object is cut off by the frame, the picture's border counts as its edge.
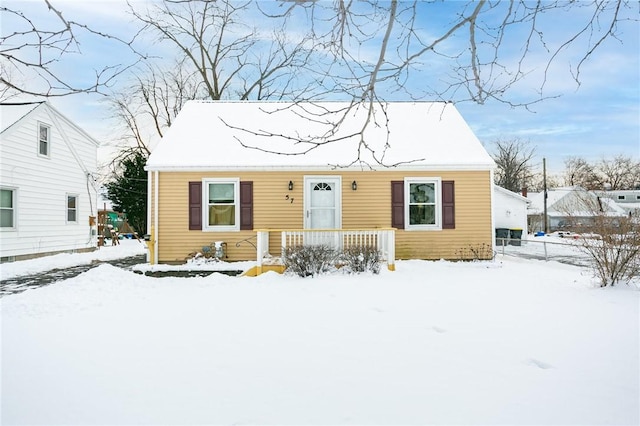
(290, 185)
(354, 185)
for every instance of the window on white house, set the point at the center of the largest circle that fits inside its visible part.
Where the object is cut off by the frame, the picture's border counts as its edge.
(222, 209)
(44, 139)
(72, 208)
(423, 208)
(620, 197)
(7, 208)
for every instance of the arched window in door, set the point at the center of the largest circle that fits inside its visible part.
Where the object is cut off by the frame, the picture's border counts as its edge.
(322, 186)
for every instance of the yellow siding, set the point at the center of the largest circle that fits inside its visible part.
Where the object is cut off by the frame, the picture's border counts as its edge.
(275, 207)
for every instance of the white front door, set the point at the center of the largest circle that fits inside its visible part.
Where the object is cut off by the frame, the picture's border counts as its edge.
(322, 202)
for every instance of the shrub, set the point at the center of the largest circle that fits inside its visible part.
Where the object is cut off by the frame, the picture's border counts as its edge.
(361, 259)
(476, 252)
(615, 254)
(309, 260)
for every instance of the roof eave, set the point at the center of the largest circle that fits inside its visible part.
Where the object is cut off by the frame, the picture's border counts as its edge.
(326, 167)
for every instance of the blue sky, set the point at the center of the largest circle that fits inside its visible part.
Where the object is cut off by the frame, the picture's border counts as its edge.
(598, 119)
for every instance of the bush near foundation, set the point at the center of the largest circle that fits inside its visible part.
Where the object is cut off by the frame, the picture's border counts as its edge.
(312, 260)
(309, 260)
(359, 259)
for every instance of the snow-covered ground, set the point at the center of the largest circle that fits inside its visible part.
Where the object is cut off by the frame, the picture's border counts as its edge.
(512, 341)
(126, 248)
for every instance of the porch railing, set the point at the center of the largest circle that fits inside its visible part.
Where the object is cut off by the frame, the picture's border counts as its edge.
(383, 239)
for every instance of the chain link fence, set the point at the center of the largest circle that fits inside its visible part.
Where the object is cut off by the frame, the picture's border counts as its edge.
(545, 248)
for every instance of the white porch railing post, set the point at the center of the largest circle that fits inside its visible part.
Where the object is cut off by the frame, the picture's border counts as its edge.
(391, 249)
(285, 236)
(262, 247)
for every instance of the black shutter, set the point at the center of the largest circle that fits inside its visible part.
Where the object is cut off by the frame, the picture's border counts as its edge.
(397, 204)
(448, 205)
(246, 205)
(195, 205)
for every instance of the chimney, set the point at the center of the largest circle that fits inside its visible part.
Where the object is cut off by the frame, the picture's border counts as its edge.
(524, 192)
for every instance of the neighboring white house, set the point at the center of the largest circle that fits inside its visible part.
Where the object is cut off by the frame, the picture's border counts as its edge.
(569, 207)
(509, 209)
(629, 200)
(47, 196)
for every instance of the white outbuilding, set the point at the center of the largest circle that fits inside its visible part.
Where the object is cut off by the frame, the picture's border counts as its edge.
(509, 214)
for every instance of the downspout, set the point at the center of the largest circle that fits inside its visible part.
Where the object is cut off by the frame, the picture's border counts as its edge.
(149, 198)
(155, 216)
(150, 237)
(493, 220)
(545, 196)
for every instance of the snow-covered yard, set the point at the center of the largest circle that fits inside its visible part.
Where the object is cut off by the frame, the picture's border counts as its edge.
(512, 341)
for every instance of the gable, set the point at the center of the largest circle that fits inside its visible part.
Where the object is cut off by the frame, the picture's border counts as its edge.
(11, 114)
(14, 115)
(218, 135)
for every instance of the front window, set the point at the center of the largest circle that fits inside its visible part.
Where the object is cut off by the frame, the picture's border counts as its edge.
(7, 208)
(72, 208)
(222, 210)
(44, 139)
(423, 207)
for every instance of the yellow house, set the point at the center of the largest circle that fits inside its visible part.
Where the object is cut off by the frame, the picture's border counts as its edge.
(408, 177)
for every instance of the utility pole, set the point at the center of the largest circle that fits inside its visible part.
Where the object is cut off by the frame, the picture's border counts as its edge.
(544, 184)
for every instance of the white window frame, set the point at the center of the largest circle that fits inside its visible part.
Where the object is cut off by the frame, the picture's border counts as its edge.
(205, 205)
(48, 127)
(437, 226)
(14, 208)
(66, 208)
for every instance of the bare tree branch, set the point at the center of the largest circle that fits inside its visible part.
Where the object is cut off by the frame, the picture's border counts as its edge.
(32, 53)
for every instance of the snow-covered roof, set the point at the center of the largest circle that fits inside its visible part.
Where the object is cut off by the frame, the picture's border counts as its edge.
(629, 206)
(221, 135)
(613, 206)
(511, 194)
(11, 113)
(559, 204)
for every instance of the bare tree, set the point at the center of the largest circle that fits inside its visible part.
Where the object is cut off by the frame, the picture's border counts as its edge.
(514, 163)
(578, 172)
(147, 107)
(231, 59)
(611, 242)
(217, 56)
(621, 172)
(32, 55)
(483, 68)
(535, 182)
(345, 34)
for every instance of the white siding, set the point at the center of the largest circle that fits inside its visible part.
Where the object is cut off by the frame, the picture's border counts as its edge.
(43, 183)
(509, 211)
